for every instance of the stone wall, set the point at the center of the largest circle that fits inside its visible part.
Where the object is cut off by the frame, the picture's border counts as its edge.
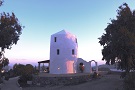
(68, 80)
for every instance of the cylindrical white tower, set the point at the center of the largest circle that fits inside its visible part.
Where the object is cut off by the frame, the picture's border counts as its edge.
(63, 53)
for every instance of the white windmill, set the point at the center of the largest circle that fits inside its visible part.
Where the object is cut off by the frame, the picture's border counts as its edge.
(63, 53)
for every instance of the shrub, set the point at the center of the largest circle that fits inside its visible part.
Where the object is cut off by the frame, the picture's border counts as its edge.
(6, 76)
(25, 78)
(95, 75)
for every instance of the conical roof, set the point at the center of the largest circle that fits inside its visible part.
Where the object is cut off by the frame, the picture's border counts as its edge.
(63, 32)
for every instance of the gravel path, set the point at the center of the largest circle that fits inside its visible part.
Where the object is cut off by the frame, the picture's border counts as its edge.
(11, 84)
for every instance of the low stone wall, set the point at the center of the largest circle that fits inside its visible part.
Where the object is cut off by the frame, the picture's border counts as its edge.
(64, 80)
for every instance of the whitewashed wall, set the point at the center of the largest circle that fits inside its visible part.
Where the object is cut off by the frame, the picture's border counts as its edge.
(65, 62)
(87, 66)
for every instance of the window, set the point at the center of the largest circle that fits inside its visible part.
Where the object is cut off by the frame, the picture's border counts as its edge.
(55, 39)
(58, 51)
(73, 52)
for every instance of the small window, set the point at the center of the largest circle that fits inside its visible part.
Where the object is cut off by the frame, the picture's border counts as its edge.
(76, 40)
(73, 52)
(55, 39)
(58, 51)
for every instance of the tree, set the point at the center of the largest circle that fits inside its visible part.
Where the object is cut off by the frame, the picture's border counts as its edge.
(29, 69)
(10, 31)
(118, 41)
(19, 69)
(1, 2)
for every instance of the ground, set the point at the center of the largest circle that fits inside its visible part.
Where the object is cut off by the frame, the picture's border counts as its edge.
(106, 82)
(11, 84)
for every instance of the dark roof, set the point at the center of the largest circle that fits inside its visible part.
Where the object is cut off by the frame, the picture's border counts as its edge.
(45, 61)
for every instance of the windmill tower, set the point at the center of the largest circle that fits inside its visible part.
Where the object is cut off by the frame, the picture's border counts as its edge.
(63, 53)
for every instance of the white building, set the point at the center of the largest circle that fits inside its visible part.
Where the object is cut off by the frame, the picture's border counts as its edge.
(63, 53)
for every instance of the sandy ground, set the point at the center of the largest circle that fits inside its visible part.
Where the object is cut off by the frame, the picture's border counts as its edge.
(107, 82)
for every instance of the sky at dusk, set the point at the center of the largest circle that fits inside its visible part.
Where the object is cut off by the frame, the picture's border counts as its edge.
(87, 19)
